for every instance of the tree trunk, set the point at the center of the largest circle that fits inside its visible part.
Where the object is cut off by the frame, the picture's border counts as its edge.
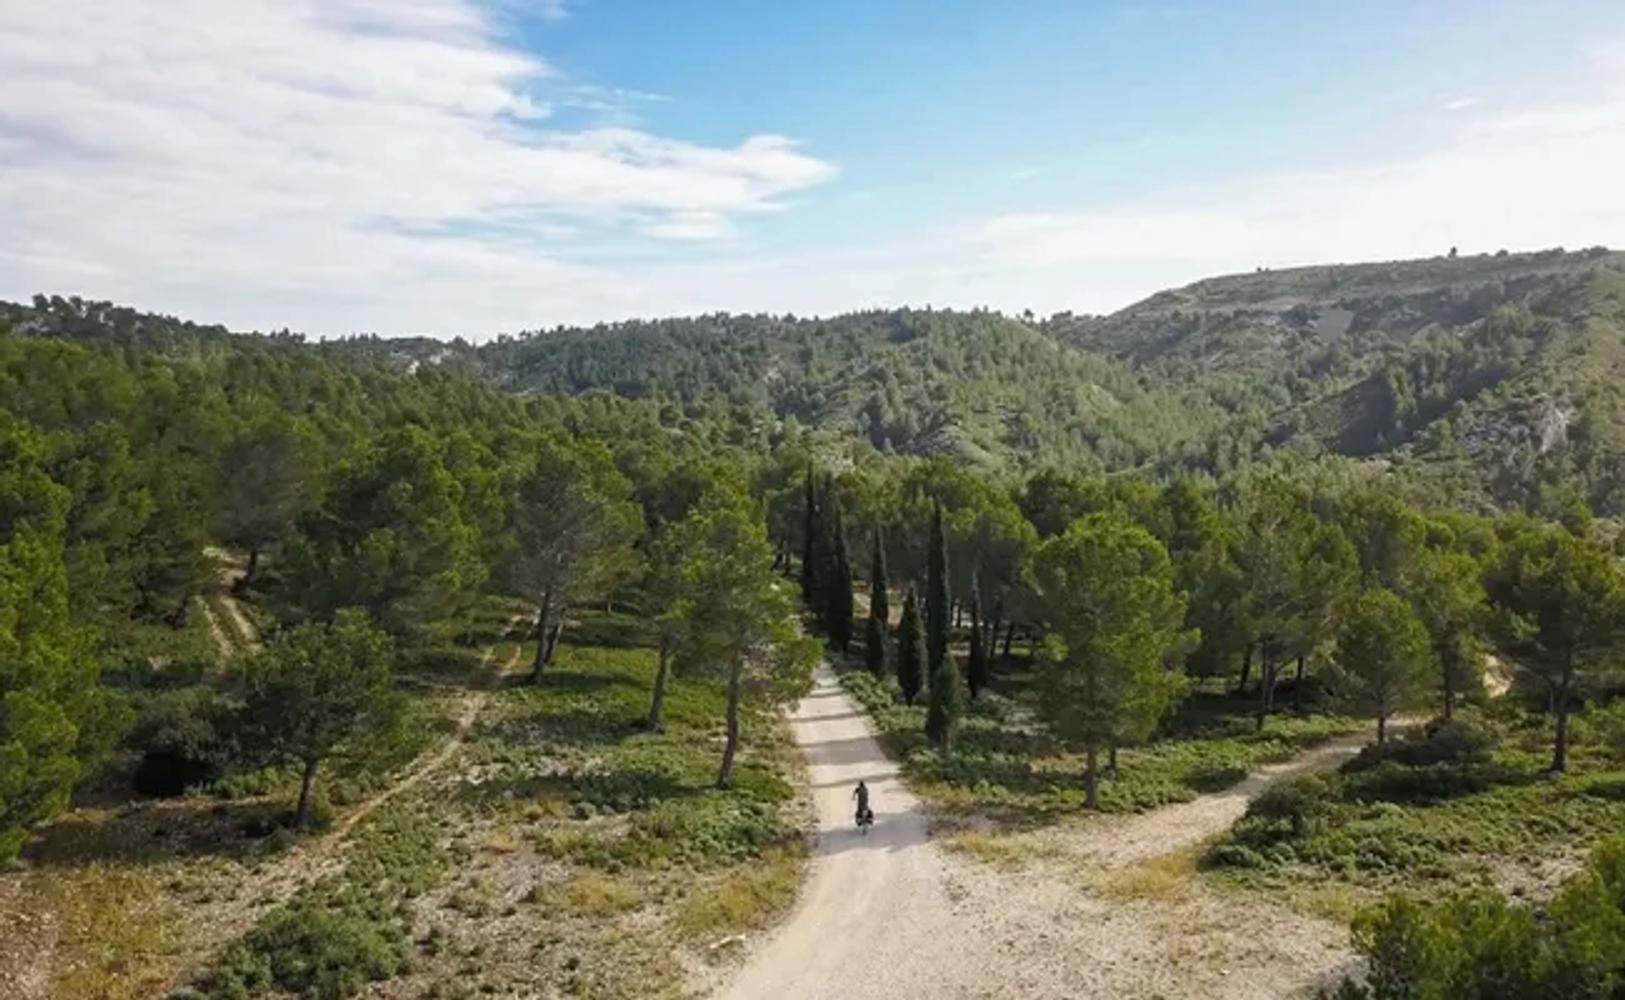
(1009, 637)
(1382, 729)
(1449, 686)
(1111, 761)
(1246, 669)
(553, 636)
(1266, 683)
(307, 786)
(1091, 780)
(1560, 745)
(544, 625)
(725, 777)
(250, 573)
(1297, 689)
(658, 700)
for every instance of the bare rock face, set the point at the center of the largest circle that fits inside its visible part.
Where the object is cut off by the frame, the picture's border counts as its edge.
(1540, 426)
(1551, 426)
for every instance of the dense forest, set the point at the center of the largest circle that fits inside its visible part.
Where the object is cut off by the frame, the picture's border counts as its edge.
(1388, 493)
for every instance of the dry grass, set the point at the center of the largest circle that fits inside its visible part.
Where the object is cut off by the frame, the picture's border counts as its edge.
(1163, 877)
(1333, 901)
(596, 895)
(745, 898)
(1007, 852)
(119, 935)
(502, 841)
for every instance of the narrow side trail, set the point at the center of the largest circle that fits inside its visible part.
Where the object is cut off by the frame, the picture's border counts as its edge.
(1118, 841)
(320, 855)
(893, 914)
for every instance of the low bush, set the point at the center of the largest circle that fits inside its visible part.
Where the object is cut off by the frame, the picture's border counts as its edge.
(344, 931)
(1456, 742)
(1480, 946)
(313, 948)
(1297, 801)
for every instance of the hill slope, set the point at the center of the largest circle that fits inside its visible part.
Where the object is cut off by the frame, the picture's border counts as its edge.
(1484, 380)
(1494, 374)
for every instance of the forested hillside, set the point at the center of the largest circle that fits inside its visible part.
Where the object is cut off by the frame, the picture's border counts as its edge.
(1490, 378)
(974, 385)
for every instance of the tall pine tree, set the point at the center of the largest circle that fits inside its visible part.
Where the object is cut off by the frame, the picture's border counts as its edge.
(836, 576)
(936, 597)
(910, 650)
(976, 669)
(809, 544)
(879, 610)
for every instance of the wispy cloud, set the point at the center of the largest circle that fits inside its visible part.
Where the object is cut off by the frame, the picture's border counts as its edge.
(1024, 173)
(250, 156)
(1458, 103)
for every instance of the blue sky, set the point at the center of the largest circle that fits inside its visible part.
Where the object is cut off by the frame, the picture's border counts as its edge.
(457, 167)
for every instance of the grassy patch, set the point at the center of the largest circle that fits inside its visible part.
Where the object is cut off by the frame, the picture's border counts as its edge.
(745, 897)
(119, 935)
(563, 850)
(991, 848)
(597, 895)
(1161, 877)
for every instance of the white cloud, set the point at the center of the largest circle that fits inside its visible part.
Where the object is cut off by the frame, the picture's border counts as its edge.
(334, 163)
(1458, 103)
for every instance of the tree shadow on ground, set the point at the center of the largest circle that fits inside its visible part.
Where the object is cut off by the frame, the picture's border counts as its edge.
(161, 830)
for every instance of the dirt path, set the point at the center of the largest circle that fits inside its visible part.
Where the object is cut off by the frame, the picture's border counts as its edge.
(1117, 841)
(242, 636)
(472, 704)
(28, 936)
(217, 632)
(892, 914)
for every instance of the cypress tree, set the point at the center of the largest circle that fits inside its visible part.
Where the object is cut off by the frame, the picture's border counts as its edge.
(879, 610)
(910, 650)
(946, 706)
(976, 669)
(936, 598)
(879, 597)
(809, 544)
(837, 577)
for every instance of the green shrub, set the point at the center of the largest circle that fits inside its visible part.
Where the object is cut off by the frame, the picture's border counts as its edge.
(1297, 801)
(312, 948)
(1456, 742)
(341, 933)
(1479, 946)
(1230, 855)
